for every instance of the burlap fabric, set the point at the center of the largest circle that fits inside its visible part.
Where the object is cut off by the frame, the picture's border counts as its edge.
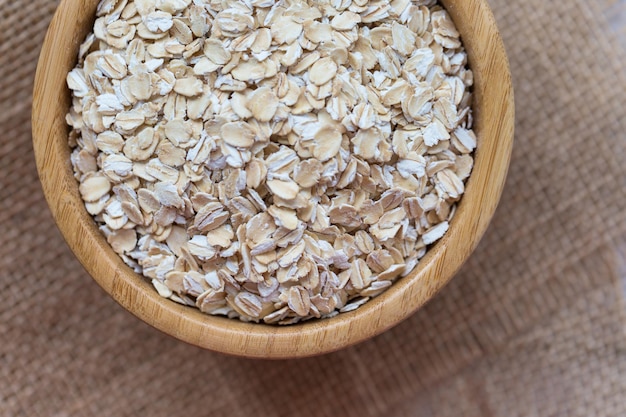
(533, 325)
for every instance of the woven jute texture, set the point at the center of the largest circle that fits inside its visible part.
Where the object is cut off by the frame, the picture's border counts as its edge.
(533, 325)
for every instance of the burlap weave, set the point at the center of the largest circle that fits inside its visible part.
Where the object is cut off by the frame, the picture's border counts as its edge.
(533, 325)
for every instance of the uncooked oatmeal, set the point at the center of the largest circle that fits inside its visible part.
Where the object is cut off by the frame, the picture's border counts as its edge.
(272, 161)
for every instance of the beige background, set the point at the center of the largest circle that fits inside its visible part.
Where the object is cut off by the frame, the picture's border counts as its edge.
(533, 325)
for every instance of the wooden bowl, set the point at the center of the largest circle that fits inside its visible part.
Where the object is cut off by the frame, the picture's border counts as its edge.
(494, 120)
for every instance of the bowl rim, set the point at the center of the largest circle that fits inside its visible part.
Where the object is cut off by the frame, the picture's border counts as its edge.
(494, 127)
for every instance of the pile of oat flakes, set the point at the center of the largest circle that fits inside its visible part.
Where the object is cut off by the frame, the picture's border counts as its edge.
(270, 160)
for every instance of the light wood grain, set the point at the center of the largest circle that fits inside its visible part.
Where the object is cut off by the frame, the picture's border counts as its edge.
(494, 123)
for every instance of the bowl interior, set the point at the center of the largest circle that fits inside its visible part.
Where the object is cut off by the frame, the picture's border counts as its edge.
(493, 115)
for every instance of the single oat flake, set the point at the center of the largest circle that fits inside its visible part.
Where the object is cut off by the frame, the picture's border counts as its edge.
(272, 161)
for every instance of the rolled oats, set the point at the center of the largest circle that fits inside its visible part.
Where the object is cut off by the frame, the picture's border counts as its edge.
(272, 161)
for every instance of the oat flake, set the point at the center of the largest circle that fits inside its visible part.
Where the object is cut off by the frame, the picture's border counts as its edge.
(272, 161)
